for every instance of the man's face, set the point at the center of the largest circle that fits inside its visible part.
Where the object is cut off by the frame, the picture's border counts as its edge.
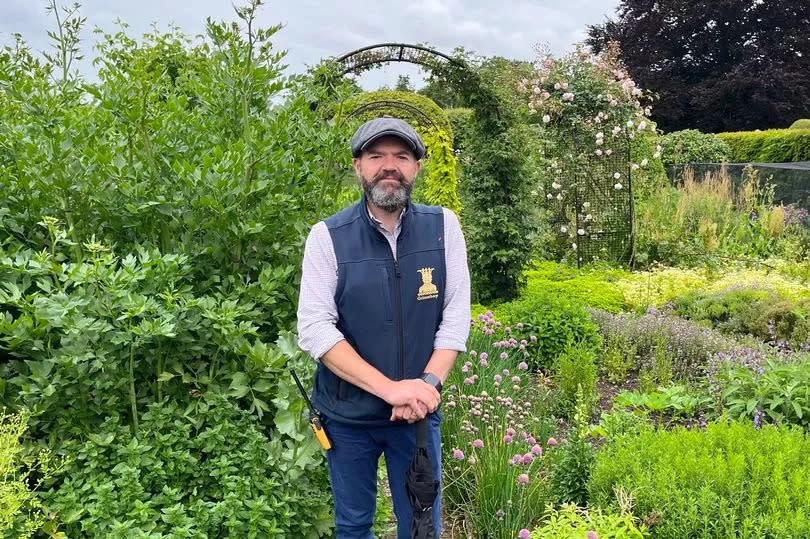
(387, 170)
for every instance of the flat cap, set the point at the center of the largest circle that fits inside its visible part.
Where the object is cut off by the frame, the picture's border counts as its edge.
(370, 131)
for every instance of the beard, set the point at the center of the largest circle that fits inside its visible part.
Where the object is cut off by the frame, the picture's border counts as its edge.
(385, 199)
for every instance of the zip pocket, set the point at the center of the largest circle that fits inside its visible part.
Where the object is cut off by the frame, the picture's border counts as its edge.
(385, 279)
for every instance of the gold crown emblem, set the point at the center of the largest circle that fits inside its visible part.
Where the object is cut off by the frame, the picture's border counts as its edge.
(428, 290)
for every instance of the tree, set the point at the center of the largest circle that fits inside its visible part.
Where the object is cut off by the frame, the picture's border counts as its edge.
(716, 65)
(403, 84)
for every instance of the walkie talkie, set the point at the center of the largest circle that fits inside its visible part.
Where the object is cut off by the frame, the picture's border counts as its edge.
(314, 417)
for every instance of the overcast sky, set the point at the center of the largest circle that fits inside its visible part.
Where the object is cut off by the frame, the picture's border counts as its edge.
(316, 29)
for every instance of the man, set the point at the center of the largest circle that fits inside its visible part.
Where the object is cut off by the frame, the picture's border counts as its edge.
(385, 308)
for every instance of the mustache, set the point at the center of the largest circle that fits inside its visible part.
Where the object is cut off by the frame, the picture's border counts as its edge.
(397, 175)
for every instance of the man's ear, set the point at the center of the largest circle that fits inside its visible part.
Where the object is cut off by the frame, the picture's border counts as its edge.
(356, 163)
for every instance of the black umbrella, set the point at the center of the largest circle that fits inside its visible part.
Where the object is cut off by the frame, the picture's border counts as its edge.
(422, 487)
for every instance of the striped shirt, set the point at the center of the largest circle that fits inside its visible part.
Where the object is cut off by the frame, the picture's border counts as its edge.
(317, 311)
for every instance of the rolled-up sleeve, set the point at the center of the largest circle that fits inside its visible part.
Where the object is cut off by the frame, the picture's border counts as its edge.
(455, 325)
(317, 312)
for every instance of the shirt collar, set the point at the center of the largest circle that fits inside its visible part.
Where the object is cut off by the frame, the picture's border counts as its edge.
(379, 224)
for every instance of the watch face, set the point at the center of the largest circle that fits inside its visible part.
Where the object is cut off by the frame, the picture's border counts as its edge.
(433, 380)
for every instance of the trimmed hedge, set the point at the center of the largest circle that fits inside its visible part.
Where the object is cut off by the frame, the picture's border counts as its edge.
(771, 146)
(692, 146)
(803, 123)
(424, 104)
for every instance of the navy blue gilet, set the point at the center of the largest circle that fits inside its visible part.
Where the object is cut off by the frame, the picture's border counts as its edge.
(388, 310)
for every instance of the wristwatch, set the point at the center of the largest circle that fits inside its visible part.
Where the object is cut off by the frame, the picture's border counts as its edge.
(433, 380)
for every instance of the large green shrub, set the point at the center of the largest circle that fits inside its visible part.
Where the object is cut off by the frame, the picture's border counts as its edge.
(802, 123)
(730, 480)
(771, 146)
(556, 321)
(209, 475)
(692, 146)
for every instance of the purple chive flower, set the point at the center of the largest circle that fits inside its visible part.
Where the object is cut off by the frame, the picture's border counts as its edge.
(523, 479)
(528, 458)
(507, 329)
(519, 325)
(478, 443)
(458, 454)
(551, 442)
(533, 338)
(537, 450)
(523, 366)
(507, 439)
(484, 363)
(497, 378)
(473, 353)
(484, 356)
(505, 372)
(516, 379)
(504, 355)
(510, 431)
(531, 440)
(593, 535)
(465, 368)
(468, 381)
(525, 534)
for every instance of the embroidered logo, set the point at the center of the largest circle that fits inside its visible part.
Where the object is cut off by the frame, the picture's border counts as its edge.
(428, 290)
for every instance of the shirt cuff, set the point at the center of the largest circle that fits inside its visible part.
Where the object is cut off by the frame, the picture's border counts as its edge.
(449, 344)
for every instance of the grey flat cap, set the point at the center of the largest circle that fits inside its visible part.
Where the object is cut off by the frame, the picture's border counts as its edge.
(386, 126)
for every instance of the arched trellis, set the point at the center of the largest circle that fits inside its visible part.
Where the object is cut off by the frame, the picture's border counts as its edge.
(496, 191)
(362, 59)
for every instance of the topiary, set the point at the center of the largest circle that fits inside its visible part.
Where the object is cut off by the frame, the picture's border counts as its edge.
(803, 123)
(692, 146)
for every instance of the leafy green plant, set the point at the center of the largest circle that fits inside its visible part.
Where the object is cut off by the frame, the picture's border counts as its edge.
(593, 287)
(617, 358)
(571, 521)
(556, 321)
(571, 462)
(676, 400)
(729, 480)
(209, 475)
(692, 146)
(766, 390)
(575, 376)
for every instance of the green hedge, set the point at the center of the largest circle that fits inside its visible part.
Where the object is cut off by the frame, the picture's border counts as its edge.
(692, 146)
(772, 146)
(803, 123)
(426, 105)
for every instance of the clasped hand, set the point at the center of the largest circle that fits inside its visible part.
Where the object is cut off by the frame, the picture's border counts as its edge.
(412, 400)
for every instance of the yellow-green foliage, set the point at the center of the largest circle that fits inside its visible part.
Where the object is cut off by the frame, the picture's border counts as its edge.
(441, 183)
(593, 287)
(803, 123)
(771, 146)
(20, 510)
(424, 104)
(654, 288)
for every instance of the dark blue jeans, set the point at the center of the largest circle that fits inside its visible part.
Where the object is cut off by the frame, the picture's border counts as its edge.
(353, 473)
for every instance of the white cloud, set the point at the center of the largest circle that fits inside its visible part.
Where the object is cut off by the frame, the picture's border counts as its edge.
(314, 29)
